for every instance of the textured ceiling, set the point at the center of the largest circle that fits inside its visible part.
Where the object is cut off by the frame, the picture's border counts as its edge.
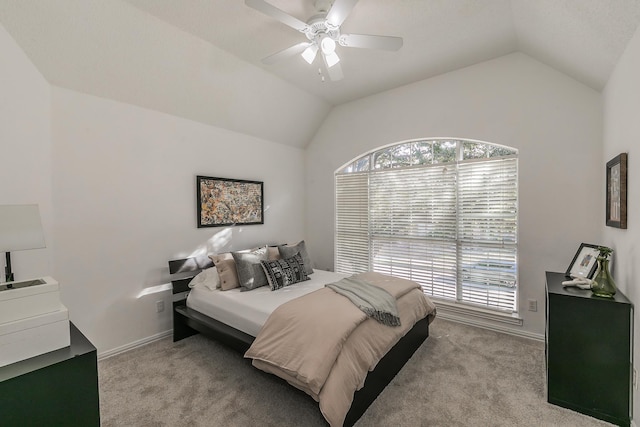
(200, 59)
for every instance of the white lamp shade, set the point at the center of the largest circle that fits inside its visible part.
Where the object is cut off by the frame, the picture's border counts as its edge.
(20, 228)
(328, 45)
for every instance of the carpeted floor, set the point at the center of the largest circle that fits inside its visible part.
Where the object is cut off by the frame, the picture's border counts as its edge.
(461, 376)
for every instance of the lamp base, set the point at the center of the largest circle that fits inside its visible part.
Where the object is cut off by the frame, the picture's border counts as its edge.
(8, 274)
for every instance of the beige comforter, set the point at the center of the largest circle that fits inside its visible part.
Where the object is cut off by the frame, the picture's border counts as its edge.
(324, 345)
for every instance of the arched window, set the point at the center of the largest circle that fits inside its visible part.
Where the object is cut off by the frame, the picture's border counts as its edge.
(442, 212)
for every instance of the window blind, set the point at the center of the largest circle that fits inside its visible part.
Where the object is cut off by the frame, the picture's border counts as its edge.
(352, 223)
(487, 232)
(452, 227)
(413, 225)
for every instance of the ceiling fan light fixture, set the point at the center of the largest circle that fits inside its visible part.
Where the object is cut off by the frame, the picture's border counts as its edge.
(332, 59)
(323, 32)
(328, 45)
(310, 53)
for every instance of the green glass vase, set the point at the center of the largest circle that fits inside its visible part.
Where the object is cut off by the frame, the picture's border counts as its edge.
(603, 284)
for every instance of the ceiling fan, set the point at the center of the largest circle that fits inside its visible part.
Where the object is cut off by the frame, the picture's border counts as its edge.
(323, 33)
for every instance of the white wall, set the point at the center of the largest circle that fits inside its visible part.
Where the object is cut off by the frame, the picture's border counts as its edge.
(554, 121)
(622, 135)
(124, 196)
(25, 150)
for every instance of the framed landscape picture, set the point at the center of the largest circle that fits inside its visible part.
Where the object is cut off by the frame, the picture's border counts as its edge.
(224, 202)
(617, 191)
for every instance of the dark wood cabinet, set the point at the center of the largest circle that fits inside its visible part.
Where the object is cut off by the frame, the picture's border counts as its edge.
(589, 351)
(59, 388)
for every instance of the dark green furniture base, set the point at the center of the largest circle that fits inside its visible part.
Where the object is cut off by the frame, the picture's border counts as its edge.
(589, 351)
(59, 388)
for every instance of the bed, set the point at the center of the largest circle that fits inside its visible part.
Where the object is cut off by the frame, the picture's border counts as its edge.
(221, 323)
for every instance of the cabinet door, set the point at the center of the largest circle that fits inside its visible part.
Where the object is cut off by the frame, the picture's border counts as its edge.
(59, 388)
(61, 395)
(589, 356)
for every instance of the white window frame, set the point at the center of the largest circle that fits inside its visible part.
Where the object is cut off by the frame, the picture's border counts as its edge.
(355, 241)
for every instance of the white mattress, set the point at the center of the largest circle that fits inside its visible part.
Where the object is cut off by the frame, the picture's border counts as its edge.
(248, 311)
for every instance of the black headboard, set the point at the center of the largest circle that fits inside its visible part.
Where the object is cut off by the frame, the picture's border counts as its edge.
(185, 269)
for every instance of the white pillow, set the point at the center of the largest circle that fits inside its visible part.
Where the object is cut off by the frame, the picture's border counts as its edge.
(208, 278)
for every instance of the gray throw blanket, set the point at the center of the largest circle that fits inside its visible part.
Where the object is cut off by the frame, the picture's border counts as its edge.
(375, 302)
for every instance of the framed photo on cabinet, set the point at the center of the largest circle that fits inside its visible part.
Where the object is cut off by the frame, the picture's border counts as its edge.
(584, 263)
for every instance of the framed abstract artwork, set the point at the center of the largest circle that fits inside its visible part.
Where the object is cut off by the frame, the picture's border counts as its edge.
(617, 191)
(224, 202)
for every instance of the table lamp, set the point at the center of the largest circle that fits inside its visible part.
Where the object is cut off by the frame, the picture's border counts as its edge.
(20, 229)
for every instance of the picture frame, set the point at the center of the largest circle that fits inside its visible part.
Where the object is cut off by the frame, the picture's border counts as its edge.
(584, 263)
(617, 191)
(227, 202)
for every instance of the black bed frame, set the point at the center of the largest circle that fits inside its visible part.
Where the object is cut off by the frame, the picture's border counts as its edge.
(187, 322)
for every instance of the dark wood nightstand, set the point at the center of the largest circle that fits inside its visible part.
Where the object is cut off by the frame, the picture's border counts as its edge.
(589, 351)
(59, 388)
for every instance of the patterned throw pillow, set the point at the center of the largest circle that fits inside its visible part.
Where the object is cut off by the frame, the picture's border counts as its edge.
(284, 272)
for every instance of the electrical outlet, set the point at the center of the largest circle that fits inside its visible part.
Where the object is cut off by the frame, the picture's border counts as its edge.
(159, 306)
(533, 305)
(635, 379)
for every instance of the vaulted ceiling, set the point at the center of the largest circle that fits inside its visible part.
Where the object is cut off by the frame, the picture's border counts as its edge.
(201, 59)
(582, 38)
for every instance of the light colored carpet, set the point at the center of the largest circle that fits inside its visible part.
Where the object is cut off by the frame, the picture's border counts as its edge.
(461, 376)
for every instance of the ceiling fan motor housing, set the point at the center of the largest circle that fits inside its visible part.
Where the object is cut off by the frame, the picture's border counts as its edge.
(319, 27)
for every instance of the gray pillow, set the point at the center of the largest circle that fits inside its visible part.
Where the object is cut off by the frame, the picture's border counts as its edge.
(250, 277)
(288, 251)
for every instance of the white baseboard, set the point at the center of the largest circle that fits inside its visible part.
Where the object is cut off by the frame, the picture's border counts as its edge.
(443, 314)
(136, 344)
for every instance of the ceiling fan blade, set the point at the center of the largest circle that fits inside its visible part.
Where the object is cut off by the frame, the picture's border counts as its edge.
(286, 53)
(339, 11)
(371, 42)
(274, 12)
(334, 72)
